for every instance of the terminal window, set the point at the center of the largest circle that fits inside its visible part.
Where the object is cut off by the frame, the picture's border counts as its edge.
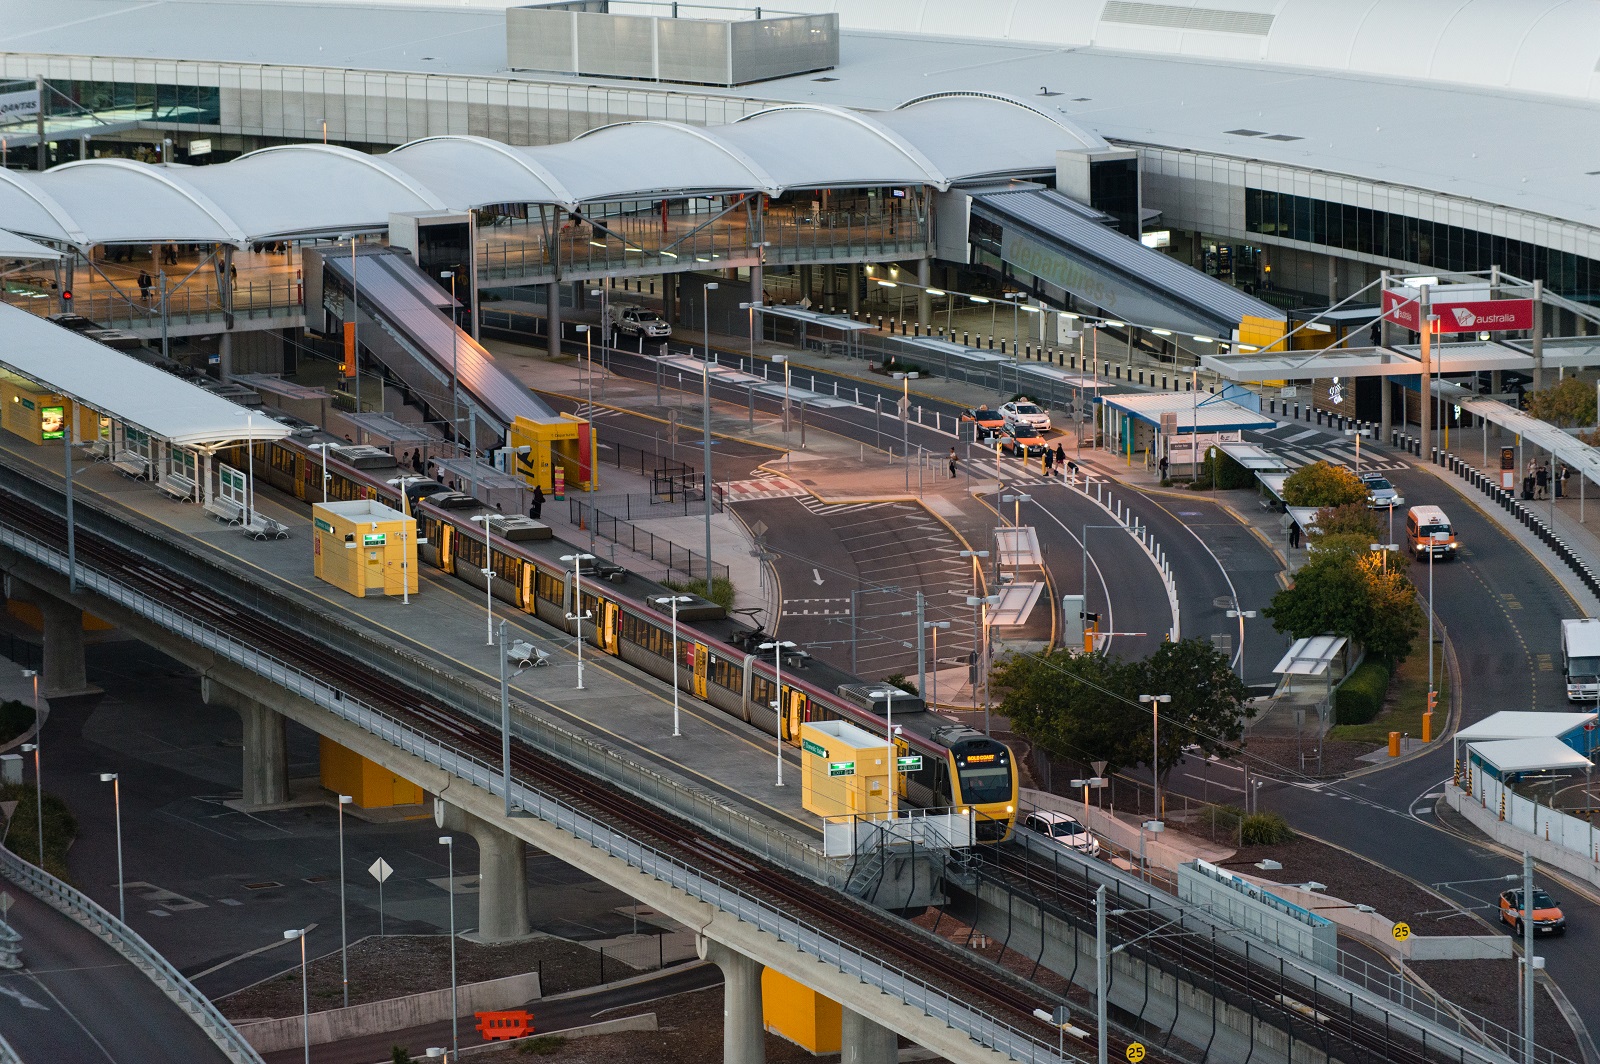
(189, 104)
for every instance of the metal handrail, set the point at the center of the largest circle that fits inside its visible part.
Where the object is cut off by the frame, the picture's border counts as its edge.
(850, 959)
(83, 909)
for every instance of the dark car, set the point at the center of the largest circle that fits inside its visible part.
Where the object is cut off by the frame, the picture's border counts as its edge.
(1022, 440)
(985, 422)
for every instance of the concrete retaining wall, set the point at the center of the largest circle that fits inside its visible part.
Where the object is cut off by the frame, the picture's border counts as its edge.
(392, 1014)
(1487, 820)
(643, 1022)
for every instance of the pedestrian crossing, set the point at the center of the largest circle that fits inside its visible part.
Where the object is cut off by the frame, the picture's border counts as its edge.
(1299, 446)
(759, 488)
(816, 607)
(819, 508)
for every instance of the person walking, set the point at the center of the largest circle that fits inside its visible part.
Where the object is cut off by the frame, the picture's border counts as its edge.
(1163, 466)
(144, 287)
(1061, 458)
(1541, 482)
(1049, 461)
(1294, 535)
(536, 506)
(953, 461)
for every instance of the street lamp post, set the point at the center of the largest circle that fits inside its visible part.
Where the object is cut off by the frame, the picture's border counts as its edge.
(982, 604)
(754, 308)
(448, 842)
(673, 600)
(1154, 702)
(1016, 512)
(344, 936)
(305, 989)
(1384, 549)
(778, 647)
(116, 800)
(578, 613)
(711, 286)
(931, 695)
(33, 748)
(1243, 616)
(455, 367)
(905, 424)
(488, 578)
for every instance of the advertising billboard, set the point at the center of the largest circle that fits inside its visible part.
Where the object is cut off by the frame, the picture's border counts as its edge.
(1486, 315)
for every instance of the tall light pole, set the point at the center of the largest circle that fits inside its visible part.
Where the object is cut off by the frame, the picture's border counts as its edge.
(33, 748)
(116, 799)
(1527, 954)
(982, 604)
(1243, 616)
(605, 335)
(344, 936)
(778, 647)
(753, 308)
(673, 600)
(905, 424)
(931, 695)
(305, 988)
(1154, 702)
(1016, 501)
(448, 842)
(705, 384)
(578, 613)
(455, 370)
(488, 578)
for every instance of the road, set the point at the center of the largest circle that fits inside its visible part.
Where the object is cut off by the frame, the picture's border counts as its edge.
(78, 1001)
(606, 1003)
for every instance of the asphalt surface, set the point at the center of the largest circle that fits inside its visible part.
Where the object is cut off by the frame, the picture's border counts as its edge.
(549, 1017)
(78, 1001)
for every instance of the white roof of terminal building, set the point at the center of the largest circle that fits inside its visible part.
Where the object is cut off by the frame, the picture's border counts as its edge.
(1195, 411)
(124, 388)
(1523, 724)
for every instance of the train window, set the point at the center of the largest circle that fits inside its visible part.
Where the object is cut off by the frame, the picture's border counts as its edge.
(726, 674)
(283, 459)
(507, 567)
(646, 636)
(469, 551)
(761, 690)
(548, 587)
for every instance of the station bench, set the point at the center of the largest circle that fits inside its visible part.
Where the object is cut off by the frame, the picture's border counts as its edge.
(227, 511)
(132, 464)
(178, 486)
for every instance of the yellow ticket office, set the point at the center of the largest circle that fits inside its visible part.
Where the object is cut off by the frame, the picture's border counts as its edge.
(364, 547)
(843, 770)
(42, 417)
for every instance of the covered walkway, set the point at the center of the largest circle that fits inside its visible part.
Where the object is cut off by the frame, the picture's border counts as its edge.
(150, 425)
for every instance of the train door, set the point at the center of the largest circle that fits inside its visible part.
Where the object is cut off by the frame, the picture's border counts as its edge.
(447, 547)
(607, 631)
(794, 714)
(525, 588)
(700, 661)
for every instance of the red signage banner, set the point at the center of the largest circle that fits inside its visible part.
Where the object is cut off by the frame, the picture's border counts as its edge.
(1489, 315)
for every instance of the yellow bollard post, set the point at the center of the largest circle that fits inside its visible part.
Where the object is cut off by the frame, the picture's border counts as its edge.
(1427, 727)
(1394, 744)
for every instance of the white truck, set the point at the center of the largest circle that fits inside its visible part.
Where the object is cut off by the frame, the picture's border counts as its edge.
(1580, 659)
(632, 320)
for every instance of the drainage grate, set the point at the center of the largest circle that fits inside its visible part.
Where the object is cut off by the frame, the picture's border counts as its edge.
(265, 884)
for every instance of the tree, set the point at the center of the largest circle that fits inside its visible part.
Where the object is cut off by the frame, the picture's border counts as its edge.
(1086, 706)
(1323, 484)
(1570, 402)
(1351, 593)
(1348, 519)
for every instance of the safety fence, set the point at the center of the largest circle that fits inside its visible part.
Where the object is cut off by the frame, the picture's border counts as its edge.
(674, 557)
(1140, 534)
(1530, 518)
(850, 958)
(1575, 835)
(85, 911)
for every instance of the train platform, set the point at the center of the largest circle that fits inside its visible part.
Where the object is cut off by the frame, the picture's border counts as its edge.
(446, 620)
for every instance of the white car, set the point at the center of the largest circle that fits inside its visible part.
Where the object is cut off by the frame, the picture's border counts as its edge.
(1025, 411)
(1063, 829)
(1381, 495)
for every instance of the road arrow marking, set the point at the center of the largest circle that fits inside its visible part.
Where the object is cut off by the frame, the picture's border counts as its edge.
(816, 576)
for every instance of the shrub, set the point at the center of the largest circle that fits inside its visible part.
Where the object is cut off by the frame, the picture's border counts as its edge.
(15, 718)
(543, 1046)
(1360, 697)
(898, 679)
(722, 591)
(1221, 819)
(60, 828)
(1323, 484)
(1264, 829)
(1223, 471)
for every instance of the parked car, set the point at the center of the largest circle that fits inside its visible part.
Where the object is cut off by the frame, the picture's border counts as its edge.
(1025, 411)
(631, 320)
(1548, 919)
(985, 422)
(1381, 495)
(1063, 829)
(1022, 440)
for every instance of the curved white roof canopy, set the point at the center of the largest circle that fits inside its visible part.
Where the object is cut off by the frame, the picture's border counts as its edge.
(124, 388)
(317, 189)
(307, 189)
(1000, 136)
(812, 146)
(13, 246)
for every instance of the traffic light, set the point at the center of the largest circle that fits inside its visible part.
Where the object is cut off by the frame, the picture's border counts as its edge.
(66, 296)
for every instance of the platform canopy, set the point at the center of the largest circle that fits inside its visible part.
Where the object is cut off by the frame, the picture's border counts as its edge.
(1196, 411)
(123, 388)
(1312, 656)
(1523, 724)
(310, 190)
(13, 246)
(1507, 756)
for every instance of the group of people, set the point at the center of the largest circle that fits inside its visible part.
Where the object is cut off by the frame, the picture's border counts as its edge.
(1539, 481)
(1055, 462)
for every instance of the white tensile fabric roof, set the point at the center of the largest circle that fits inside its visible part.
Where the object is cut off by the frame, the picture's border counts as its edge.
(317, 189)
(1523, 724)
(124, 388)
(1529, 755)
(13, 246)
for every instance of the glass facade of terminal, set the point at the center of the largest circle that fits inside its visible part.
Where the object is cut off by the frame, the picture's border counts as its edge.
(1431, 244)
(190, 104)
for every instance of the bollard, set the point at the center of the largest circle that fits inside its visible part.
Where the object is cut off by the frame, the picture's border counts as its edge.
(1427, 727)
(1394, 744)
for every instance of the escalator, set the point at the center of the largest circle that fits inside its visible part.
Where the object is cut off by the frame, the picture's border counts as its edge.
(1069, 249)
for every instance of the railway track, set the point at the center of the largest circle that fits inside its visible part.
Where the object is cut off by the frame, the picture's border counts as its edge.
(1009, 997)
(1333, 1027)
